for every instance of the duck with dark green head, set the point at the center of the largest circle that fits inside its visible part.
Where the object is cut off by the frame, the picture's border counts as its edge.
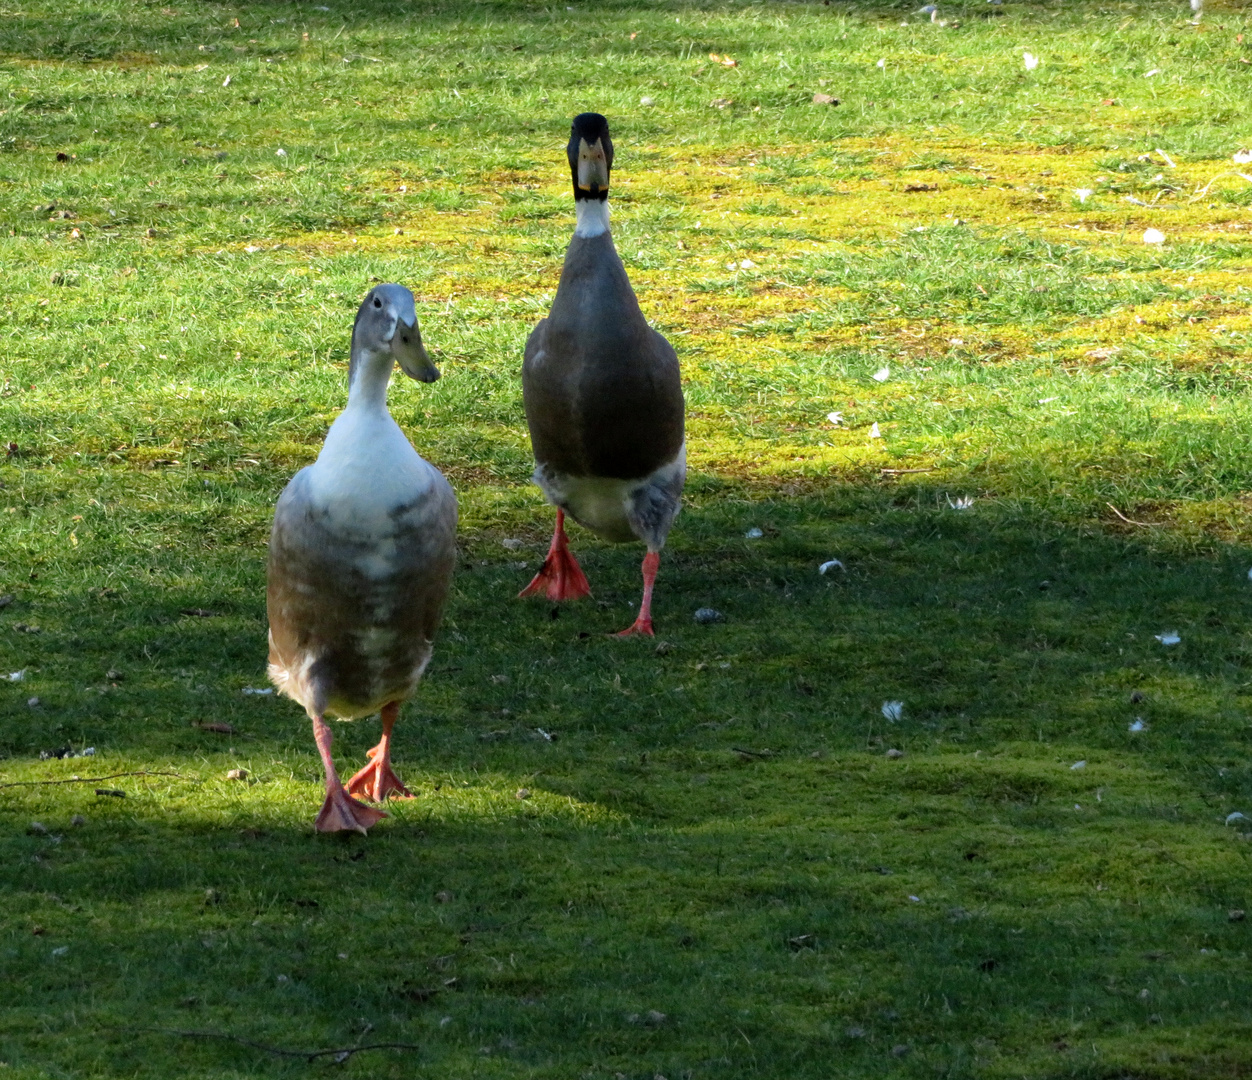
(603, 395)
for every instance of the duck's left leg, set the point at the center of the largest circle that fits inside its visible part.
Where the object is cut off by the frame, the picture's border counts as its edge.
(643, 624)
(651, 509)
(377, 780)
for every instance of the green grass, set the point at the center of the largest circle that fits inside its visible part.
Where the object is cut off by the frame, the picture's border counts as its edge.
(714, 832)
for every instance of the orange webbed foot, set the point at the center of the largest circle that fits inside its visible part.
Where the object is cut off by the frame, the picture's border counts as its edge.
(378, 780)
(560, 578)
(641, 626)
(341, 812)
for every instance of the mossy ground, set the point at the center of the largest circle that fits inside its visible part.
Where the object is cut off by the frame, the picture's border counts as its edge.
(713, 832)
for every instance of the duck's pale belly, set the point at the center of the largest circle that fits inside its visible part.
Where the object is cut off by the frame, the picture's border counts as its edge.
(359, 570)
(620, 510)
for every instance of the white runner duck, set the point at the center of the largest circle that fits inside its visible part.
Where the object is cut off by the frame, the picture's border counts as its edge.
(360, 561)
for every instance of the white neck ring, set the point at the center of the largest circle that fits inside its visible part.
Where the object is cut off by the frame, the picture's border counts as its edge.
(592, 216)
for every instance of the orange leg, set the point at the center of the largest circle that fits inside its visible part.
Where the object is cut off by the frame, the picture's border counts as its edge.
(377, 780)
(560, 575)
(643, 624)
(339, 811)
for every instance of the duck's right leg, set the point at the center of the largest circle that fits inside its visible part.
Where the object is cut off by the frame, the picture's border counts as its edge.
(340, 811)
(560, 575)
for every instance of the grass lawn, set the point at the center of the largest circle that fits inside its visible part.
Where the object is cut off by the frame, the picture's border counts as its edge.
(692, 857)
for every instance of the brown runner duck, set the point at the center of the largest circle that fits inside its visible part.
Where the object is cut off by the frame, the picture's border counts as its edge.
(360, 561)
(603, 395)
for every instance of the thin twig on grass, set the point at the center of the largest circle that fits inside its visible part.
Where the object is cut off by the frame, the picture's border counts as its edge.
(750, 753)
(89, 779)
(1128, 521)
(340, 1054)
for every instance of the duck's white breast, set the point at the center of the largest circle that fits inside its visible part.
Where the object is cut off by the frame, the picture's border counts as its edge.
(361, 556)
(369, 482)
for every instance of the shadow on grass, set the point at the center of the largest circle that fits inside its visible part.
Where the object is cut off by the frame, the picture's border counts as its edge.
(713, 833)
(989, 624)
(530, 947)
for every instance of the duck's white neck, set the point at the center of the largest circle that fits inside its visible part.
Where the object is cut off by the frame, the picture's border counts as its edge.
(371, 372)
(592, 216)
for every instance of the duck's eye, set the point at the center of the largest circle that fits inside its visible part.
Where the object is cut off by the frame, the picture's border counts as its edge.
(377, 302)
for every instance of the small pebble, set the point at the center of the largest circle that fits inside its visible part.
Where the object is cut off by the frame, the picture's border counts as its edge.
(706, 615)
(523, 793)
(893, 753)
(444, 897)
(646, 102)
(77, 820)
(1236, 915)
(237, 774)
(511, 544)
(33, 702)
(754, 533)
(60, 950)
(37, 828)
(655, 1017)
